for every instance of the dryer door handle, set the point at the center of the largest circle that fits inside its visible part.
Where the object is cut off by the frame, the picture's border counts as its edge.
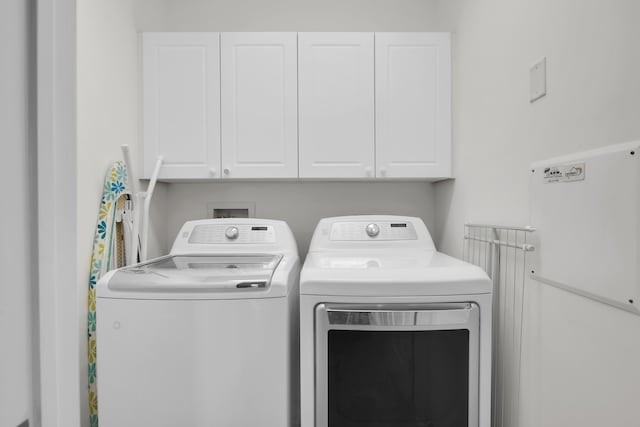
(351, 316)
(254, 284)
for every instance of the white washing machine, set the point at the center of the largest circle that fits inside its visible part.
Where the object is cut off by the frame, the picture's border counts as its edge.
(392, 332)
(206, 336)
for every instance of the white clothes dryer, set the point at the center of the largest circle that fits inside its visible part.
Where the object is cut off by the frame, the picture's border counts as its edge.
(392, 332)
(206, 336)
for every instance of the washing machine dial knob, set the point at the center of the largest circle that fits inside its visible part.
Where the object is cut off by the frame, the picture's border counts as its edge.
(373, 230)
(232, 233)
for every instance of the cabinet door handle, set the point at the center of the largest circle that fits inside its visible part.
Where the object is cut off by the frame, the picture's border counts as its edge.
(226, 171)
(212, 171)
(383, 171)
(368, 170)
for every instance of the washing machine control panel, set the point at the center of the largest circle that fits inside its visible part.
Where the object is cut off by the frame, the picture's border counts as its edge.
(232, 234)
(366, 230)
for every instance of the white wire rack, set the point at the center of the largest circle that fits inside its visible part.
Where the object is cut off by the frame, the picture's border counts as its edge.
(502, 252)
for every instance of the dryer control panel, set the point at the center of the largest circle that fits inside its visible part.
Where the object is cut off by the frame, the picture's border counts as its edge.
(372, 230)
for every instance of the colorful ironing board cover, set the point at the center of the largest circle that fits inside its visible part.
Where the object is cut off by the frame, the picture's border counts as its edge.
(108, 253)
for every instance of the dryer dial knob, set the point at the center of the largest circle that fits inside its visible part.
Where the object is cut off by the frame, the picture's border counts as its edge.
(373, 230)
(232, 233)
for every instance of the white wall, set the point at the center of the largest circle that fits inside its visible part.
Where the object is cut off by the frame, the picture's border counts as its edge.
(299, 15)
(580, 363)
(107, 104)
(593, 97)
(18, 321)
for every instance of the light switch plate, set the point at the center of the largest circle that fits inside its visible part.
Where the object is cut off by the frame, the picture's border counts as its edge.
(538, 80)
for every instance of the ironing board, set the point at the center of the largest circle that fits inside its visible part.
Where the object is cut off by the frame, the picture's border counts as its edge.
(109, 252)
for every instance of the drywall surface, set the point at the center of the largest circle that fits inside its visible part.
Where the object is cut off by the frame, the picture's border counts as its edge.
(299, 15)
(18, 321)
(593, 97)
(302, 204)
(107, 105)
(580, 365)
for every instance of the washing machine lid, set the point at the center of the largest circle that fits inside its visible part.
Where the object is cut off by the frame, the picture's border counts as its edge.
(198, 273)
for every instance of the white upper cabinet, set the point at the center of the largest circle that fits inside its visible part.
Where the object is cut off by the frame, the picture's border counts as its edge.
(288, 105)
(181, 98)
(336, 105)
(259, 105)
(413, 105)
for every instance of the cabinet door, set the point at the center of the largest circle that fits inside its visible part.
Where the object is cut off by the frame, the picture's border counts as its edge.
(336, 110)
(413, 105)
(259, 105)
(181, 103)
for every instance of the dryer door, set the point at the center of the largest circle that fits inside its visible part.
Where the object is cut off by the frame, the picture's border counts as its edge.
(397, 365)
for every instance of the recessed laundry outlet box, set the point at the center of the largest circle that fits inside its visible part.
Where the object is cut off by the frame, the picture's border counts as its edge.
(231, 210)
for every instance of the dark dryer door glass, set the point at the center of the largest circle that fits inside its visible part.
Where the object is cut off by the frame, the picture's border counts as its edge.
(398, 378)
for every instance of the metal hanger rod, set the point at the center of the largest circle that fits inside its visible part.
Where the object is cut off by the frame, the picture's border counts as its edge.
(526, 228)
(524, 247)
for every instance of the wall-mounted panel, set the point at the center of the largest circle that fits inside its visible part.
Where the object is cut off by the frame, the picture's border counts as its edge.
(586, 208)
